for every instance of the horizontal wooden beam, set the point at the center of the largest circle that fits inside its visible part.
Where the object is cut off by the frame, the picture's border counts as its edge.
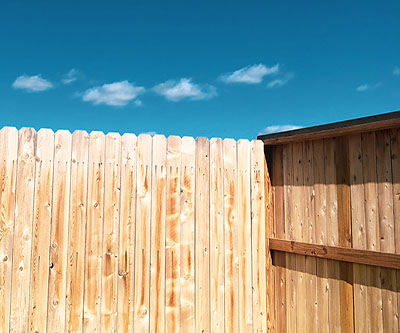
(372, 123)
(374, 258)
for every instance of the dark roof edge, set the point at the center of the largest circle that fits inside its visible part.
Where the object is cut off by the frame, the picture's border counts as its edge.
(381, 121)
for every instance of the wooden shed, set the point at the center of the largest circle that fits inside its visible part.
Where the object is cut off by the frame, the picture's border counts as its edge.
(335, 233)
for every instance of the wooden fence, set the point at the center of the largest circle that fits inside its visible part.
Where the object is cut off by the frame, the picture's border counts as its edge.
(121, 233)
(339, 192)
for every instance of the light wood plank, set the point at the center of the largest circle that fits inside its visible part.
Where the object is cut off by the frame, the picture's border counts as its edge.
(258, 235)
(158, 242)
(142, 245)
(244, 226)
(41, 231)
(126, 256)
(59, 232)
(22, 246)
(77, 231)
(8, 169)
(112, 186)
(231, 237)
(202, 240)
(187, 227)
(172, 251)
(92, 291)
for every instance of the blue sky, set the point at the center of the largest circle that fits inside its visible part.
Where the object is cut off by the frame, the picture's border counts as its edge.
(199, 68)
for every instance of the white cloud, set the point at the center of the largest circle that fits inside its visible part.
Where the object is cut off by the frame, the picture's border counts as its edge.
(115, 94)
(138, 102)
(250, 74)
(32, 83)
(280, 81)
(396, 71)
(184, 88)
(365, 87)
(71, 76)
(278, 128)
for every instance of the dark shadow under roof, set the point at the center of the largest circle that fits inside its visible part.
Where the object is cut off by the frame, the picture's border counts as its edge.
(372, 123)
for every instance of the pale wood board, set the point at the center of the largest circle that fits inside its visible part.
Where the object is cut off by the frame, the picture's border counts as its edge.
(126, 250)
(231, 237)
(158, 305)
(8, 169)
(112, 186)
(187, 228)
(172, 233)
(142, 243)
(202, 240)
(22, 245)
(41, 231)
(217, 249)
(244, 226)
(77, 231)
(94, 229)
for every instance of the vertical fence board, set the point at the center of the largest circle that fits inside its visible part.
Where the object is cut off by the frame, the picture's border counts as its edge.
(41, 231)
(77, 231)
(244, 226)
(8, 169)
(172, 251)
(23, 231)
(92, 291)
(217, 250)
(258, 236)
(126, 250)
(112, 184)
(142, 248)
(157, 238)
(202, 241)
(187, 227)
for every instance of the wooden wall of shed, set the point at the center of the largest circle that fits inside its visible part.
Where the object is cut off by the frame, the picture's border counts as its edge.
(338, 191)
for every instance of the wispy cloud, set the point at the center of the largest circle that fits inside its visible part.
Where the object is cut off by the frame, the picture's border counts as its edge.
(114, 94)
(250, 74)
(279, 82)
(33, 83)
(365, 87)
(396, 71)
(184, 89)
(71, 76)
(278, 128)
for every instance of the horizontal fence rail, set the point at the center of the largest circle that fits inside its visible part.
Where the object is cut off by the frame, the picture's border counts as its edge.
(131, 233)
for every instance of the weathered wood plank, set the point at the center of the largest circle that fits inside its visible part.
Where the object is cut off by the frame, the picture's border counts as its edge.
(202, 241)
(95, 205)
(41, 231)
(77, 231)
(142, 248)
(217, 250)
(187, 227)
(112, 186)
(258, 235)
(8, 169)
(172, 251)
(19, 315)
(126, 256)
(244, 229)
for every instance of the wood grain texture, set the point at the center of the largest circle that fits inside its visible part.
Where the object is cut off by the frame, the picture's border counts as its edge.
(231, 237)
(158, 273)
(77, 231)
(110, 238)
(202, 240)
(8, 170)
(126, 250)
(19, 315)
(142, 248)
(187, 228)
(217, 241)
(94, 228)
(41, 231)
(172, 251)
(244, 230)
